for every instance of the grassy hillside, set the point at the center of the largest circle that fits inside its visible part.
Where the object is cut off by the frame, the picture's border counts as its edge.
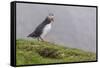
(37, 52)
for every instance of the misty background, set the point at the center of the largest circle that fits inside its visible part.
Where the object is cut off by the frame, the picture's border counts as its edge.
(73, 26)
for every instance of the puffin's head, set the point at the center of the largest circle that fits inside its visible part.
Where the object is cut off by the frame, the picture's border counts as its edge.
(51, 17)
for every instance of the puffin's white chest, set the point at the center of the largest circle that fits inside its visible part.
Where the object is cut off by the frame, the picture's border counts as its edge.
(46, 29)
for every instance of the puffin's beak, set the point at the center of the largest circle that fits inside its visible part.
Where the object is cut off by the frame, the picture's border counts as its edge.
(51, 18)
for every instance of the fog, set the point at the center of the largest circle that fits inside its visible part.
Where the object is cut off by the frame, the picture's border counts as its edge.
(73, 26)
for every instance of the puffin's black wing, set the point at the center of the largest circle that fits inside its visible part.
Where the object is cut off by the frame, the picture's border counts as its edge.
(38, 31)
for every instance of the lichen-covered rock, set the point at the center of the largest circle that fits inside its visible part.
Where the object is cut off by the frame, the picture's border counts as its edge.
(51, 53)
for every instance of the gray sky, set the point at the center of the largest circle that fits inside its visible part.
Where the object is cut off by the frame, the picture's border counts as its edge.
(73, 26)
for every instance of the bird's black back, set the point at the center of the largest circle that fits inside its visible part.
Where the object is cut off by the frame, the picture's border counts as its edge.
(38, 31)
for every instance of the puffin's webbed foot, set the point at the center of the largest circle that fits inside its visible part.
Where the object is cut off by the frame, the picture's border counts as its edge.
(40, 39)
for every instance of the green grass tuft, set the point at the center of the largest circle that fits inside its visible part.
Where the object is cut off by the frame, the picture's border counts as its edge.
(38, 52)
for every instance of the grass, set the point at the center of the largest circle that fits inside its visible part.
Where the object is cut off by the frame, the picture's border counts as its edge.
(38, 52)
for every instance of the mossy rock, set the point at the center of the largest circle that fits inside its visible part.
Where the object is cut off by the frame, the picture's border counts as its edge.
(50, 53)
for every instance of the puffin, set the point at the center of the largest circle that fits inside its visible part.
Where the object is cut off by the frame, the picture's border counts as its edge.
(42, 29)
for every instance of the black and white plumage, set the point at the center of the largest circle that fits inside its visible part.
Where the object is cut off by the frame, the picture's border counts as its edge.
(42, 29)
